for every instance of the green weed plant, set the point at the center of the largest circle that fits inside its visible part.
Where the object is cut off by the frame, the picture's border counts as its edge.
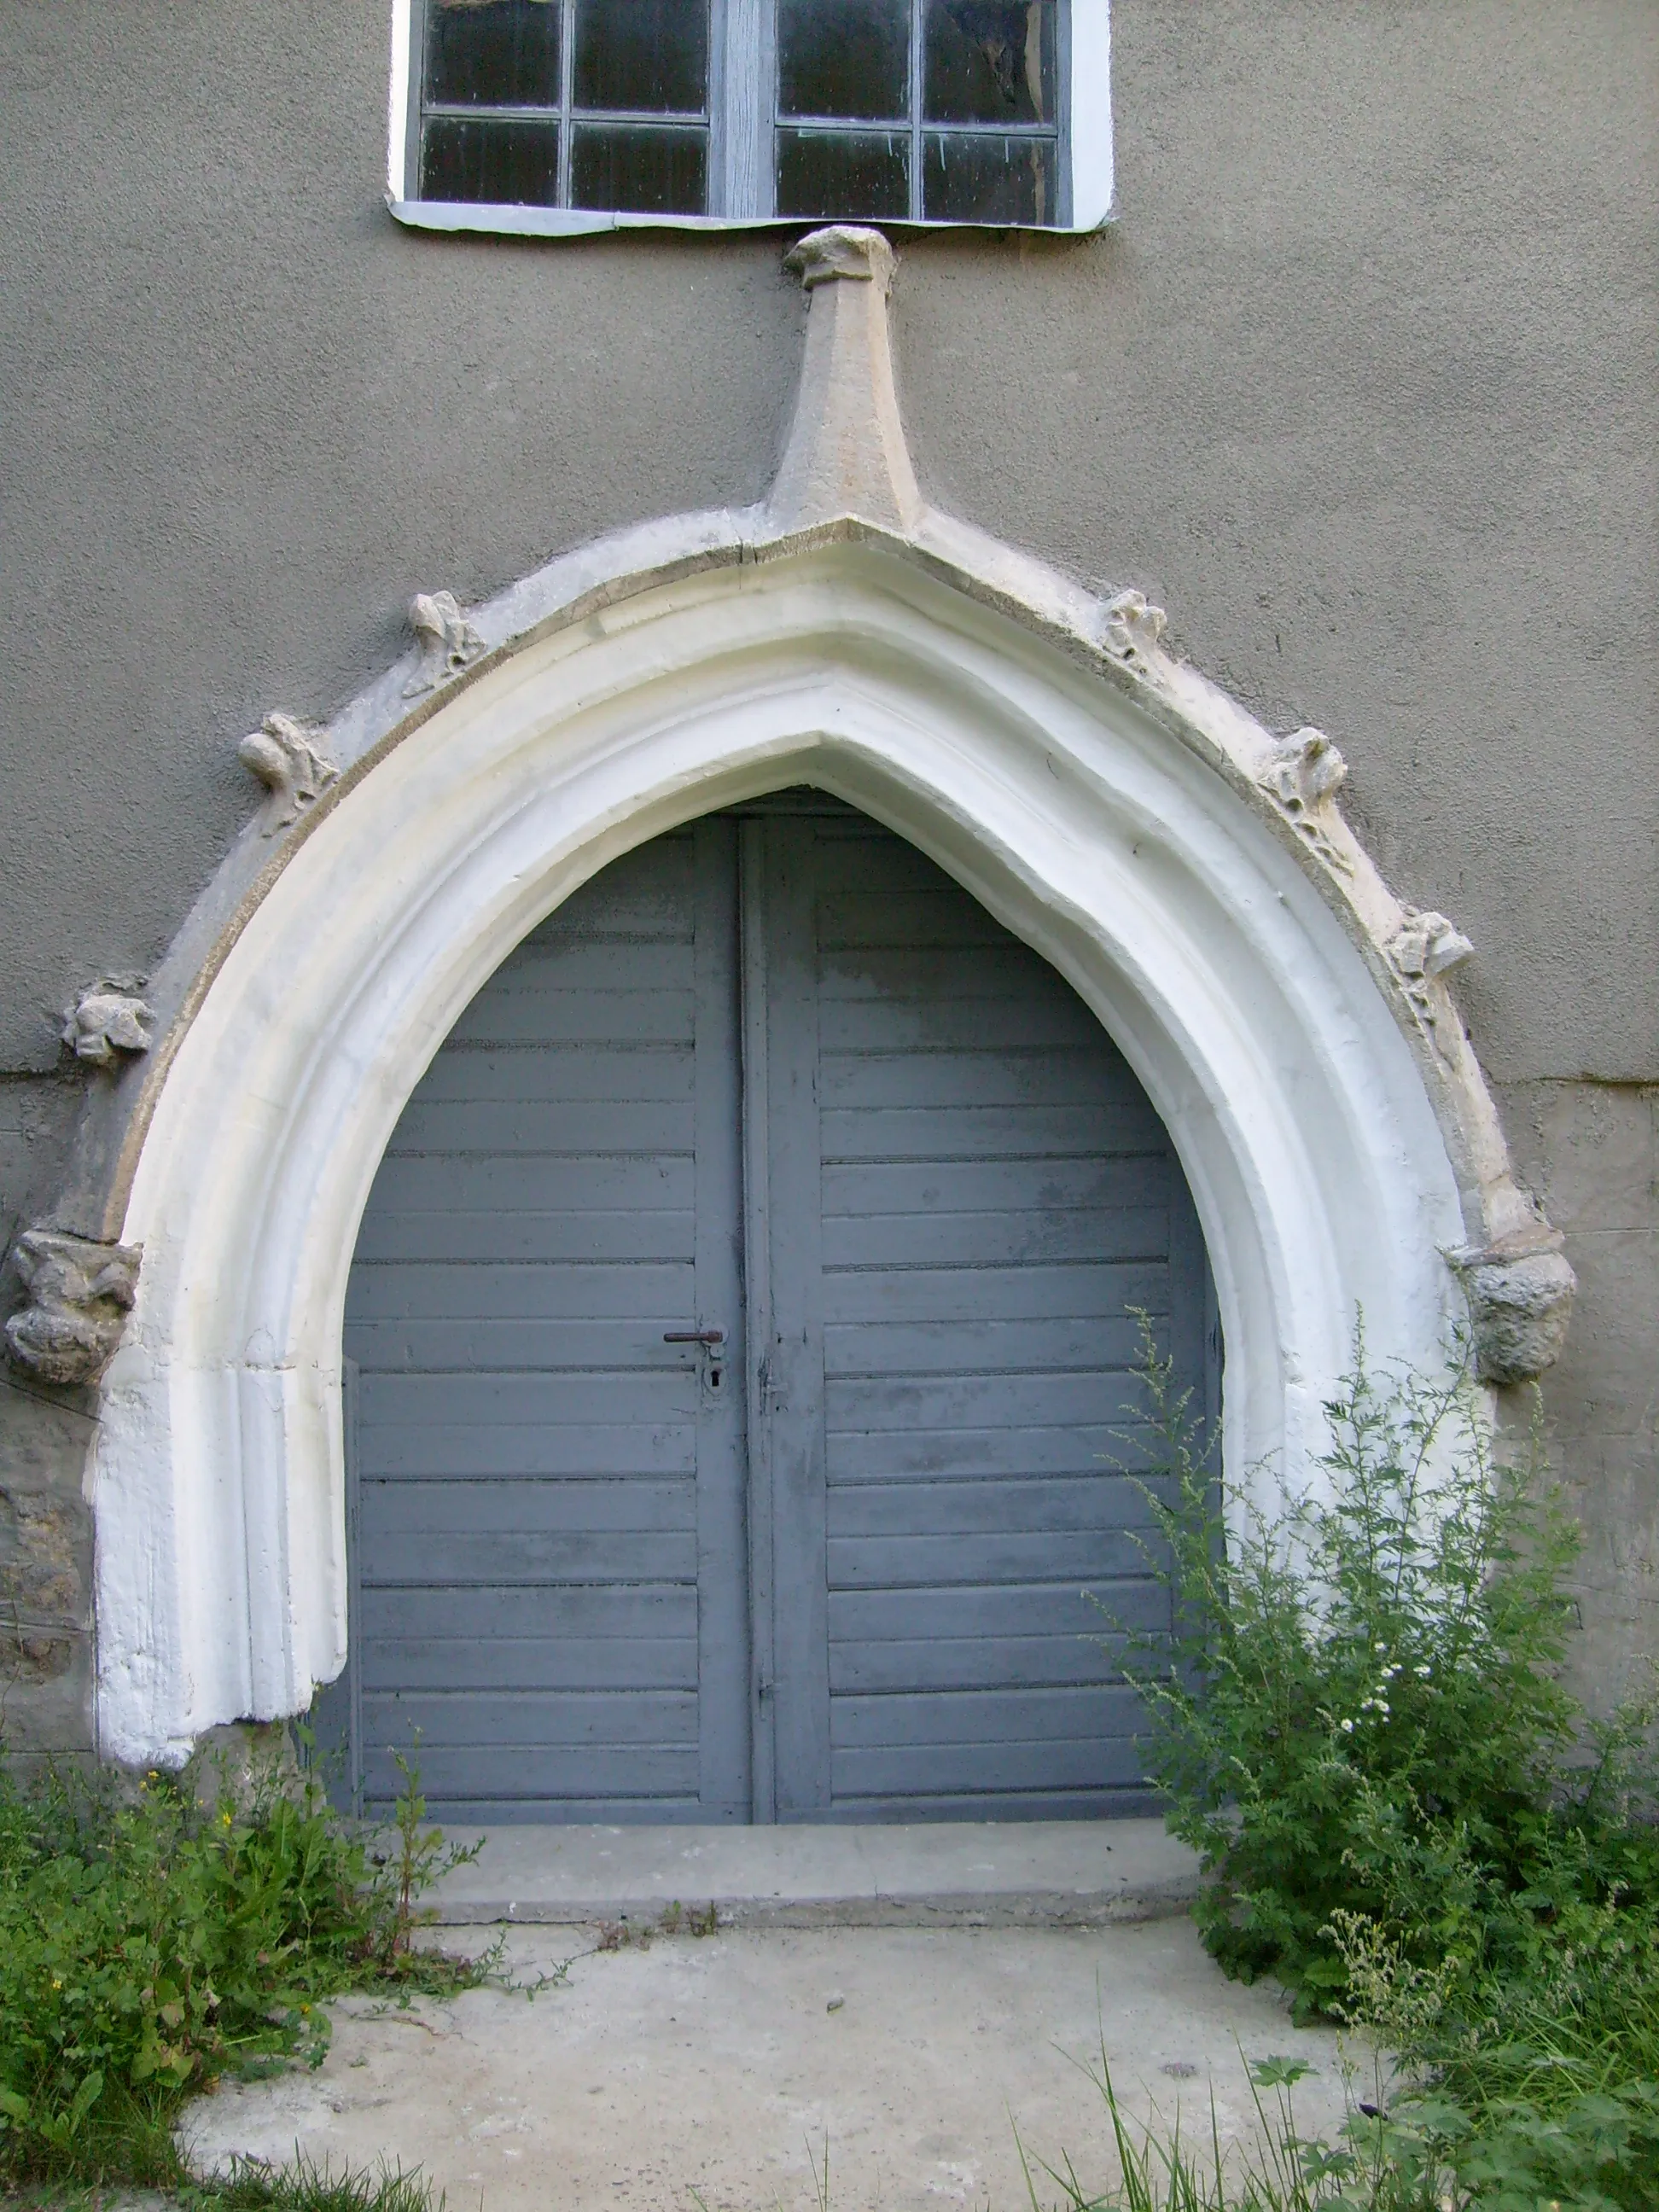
(1425, 2156)
(150, 1944)
(1361, 1724)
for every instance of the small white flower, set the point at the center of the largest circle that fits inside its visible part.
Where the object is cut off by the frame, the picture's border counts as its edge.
(1422, 1672)
(1347, 1727)
(1381, 1647)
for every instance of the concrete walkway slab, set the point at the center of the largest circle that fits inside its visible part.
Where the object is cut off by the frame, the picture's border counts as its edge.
(707, 2073)
(1069, 1873)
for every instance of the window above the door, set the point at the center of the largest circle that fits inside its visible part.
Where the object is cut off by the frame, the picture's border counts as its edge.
(552, 117)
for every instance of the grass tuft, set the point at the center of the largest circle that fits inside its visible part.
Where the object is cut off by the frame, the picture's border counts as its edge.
(153, 1943)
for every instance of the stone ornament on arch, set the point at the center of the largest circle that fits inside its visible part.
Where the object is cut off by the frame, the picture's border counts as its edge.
(1132, 627)
(447, 640)
(1520, 1300)
(288, 759)
(1126, 817)
(79, 1296)
(106, 1021)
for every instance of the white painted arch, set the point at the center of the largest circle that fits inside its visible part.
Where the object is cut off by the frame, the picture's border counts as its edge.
(1321, 1173)
(1188, 873)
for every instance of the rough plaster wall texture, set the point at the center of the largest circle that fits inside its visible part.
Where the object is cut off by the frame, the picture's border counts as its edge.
(249, 416)
(1364, 381)
(36, 1127)
(1592, 1153)
(45, 1574)
(46, 1530)
(1359, 388)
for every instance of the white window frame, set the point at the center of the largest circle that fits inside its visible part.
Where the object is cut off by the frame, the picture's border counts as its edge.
(741, 124)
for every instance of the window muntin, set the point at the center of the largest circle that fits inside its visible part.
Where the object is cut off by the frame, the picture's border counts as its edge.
(553, 115)
(565, 103)
(936, 72)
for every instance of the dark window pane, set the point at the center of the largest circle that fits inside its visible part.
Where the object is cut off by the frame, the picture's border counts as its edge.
(844, 58)
(844, 173)
(977, 180)
(989, 61)
(514, 163)
(503, 53)
(633, 168)
(649, 54)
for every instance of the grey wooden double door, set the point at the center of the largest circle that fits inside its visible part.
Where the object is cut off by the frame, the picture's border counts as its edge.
(741, 1326)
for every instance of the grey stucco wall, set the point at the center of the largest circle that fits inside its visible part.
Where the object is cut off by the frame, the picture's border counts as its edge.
(1360, 387)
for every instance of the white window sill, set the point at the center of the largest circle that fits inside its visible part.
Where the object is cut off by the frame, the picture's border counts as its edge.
(496, 222)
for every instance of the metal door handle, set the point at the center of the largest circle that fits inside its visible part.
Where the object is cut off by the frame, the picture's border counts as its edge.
(711, 1337)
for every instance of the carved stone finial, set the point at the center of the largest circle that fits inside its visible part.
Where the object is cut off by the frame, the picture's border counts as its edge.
(105, 1022)
(448, 642)
(1520, 1297)
(1302, 776)
(1304, 771)
(1419, 953)
(80, 1295)
(1132, 627)
(284, 756)
(846, 454)
(843, 249)
(1426, 945)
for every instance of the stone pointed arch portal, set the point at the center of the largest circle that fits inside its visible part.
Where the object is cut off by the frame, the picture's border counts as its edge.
(1188, 874)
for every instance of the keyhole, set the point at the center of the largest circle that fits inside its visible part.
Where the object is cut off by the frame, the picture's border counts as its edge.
(715, 1375)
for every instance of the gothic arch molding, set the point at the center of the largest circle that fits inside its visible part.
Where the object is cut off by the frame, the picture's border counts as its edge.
(1189, 875)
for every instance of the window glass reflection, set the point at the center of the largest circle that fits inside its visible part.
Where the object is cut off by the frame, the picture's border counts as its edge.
(856, 174)
(844, 58)
(989, 61)
(867, 92)
(969, 178)
(513, 164)
(645, 55)
(637, 170)
(493, 53)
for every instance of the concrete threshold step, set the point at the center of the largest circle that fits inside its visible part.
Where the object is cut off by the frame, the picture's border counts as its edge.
(1060, 1874)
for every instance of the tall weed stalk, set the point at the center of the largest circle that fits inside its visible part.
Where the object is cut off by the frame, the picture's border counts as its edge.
(1359, 1720)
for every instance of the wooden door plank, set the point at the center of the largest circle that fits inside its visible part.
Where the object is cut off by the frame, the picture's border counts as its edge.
(973, 1560)
(580, 1450)
(1012, 1186)
(724, 1782)
(986, 1073)
(565, 1078)
(998, 1196)
(1072, 1712)
(1041, 1448)
(563, 1345)
(793, 1382)
(516, 1291)
(552, 1718)
(549, 1555)
(478, 1506)
(499, 1559)
(1081, 1290)
(990, 1612)
(463, 1240)
(397, 1667)
(995, 1239)
(1035, 1131)
(758, 1319)
(1033, 1345)
(1000, 1505)
(872, 1667)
